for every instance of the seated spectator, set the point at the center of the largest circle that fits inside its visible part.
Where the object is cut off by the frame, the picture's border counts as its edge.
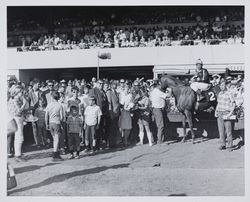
(231, 40)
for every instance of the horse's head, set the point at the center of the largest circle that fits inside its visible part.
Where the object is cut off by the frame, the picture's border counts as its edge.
(169, 81)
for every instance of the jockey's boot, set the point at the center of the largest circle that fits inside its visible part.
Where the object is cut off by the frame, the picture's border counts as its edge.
(196, 107)
(200, 96)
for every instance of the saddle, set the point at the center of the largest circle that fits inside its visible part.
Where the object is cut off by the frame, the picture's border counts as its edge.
(206, 99)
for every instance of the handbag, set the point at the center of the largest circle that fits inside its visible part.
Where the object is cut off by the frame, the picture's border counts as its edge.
(11, 179)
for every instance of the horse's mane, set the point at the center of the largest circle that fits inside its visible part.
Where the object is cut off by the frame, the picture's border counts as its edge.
(170, 81)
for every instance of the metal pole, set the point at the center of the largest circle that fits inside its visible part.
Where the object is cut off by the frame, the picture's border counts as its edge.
(98, 66)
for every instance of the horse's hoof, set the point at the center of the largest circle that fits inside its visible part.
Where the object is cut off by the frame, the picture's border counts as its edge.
(193, 142)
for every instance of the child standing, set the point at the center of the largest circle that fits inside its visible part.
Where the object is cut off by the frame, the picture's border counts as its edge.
(41, 126)
(53, 118)
(74, 123)
(92, 115)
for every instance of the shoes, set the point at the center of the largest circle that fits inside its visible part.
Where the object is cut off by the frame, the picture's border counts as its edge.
(77, 157)
(230, 149)
(71, 156)
(57, 157)
(86, 150)
(92, 152)
(62, 151)
(10, 155)
(20, 159)
(139, 143)
(222, 147)
(159, 142)
(151, 144)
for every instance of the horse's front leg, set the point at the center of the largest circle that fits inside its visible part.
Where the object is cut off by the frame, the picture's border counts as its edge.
(184, 128)
(190, 123)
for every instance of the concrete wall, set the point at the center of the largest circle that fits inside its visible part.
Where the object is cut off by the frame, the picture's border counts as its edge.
(170, 56)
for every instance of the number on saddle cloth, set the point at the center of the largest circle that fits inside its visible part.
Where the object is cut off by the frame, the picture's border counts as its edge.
(210, 95)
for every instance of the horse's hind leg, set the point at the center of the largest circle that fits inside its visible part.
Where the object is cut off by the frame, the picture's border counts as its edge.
(190, 123)
(184, 128)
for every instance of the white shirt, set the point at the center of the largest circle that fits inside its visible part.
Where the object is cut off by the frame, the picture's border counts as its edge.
(126, 101)
(157, 98)
(91, 114)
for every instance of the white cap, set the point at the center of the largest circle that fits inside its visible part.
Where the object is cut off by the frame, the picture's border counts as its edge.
(199, 61)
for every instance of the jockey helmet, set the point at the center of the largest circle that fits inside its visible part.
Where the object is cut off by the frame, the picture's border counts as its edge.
(199, 61)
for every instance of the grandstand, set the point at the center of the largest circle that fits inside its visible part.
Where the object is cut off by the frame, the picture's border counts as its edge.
(142, 40)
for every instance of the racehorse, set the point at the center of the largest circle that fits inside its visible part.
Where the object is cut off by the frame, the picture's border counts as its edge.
(186, 101)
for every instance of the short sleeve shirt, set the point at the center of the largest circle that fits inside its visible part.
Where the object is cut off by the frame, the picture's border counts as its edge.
(157, 98)
(91, 114)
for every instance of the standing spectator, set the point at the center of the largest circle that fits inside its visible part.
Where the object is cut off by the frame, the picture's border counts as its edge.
(223, 112)
(144, 117)
(63, 142)
(48, 93)
(35, 94)
(125, 121)
(68, 89)
(16, 107)
(53, 118)
(84, 103)
(74, 125)
(74, 100)
(113, 115)
(41, 127)
(157, 98)
(92, 123)
(101, 101)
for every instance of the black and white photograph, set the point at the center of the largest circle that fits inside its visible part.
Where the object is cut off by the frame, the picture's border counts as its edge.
(125, 100)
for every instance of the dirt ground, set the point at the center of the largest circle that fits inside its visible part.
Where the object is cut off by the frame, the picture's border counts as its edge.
(170, 169)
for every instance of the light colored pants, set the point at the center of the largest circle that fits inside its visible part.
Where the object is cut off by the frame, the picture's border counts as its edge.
(225, 129)
(199, 86)
(55, 130)
(18, 136)
(159, 120)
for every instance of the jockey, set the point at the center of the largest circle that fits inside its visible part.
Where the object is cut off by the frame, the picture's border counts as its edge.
(200, 81)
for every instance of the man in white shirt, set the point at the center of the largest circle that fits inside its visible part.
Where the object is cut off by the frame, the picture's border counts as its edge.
(158, 100)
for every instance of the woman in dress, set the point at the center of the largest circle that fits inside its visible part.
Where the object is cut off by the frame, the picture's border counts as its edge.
(144, 117)
(125, 121)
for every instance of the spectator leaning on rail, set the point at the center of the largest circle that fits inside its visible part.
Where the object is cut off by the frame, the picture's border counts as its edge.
(200, 81)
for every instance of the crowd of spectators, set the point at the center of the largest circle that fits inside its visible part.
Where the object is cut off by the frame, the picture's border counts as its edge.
(114, 109)
(139, 37)
(141, 26)
(33, 18)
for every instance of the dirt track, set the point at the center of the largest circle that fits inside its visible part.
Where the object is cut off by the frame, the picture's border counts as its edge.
(183, 169)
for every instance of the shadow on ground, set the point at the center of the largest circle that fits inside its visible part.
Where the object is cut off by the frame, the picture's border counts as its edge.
(66, 176)
(31, 168)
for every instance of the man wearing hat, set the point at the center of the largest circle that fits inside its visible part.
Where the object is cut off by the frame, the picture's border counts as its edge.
(113, 114)
(200, 81)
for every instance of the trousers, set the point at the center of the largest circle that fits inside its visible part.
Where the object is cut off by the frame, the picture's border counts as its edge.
(18, 139)
(159, 119)
(225, 129)
(199, 86)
